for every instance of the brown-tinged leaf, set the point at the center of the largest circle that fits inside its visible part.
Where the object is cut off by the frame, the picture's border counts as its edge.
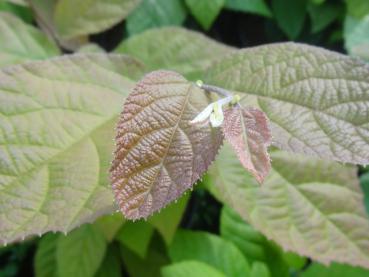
(247, 130)
(159, 154)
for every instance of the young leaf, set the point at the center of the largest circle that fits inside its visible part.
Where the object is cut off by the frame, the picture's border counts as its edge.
(74, 18)
(251, 6)
(316, 209)
(21, 42)
(210, 249)
(317, 100)
(54, 115)
(187, 52)
(80, 253)
(247, 130)
(205, 11)
(45, 258)
(156, 13)
(159, 154)
(290, 22)
(191, 268)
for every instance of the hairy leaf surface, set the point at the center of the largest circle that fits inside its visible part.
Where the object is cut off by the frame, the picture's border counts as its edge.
(159, 154)
(21, 42)
(80, 17)
(57, 122)
(187, 52)
(309, 206)
(316, 100)
(247, 130)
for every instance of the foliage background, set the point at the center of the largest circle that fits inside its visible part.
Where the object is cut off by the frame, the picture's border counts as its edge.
(212, 240)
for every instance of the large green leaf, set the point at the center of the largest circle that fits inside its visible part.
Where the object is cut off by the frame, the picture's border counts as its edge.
(80, 17)
(210, 249)
(81, 252)
(356, 33)
(191, 268)
(317, 100)
(334, 270)
(251, 6)
(174, 48)
(56, 128)
(45, 258)
(205, 11)
(22, 12)
(156, 13)
(290, 22)
(315, 209)
(21, 42)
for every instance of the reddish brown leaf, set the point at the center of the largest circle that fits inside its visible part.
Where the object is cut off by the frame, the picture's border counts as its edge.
(247, 130)
(159, 154)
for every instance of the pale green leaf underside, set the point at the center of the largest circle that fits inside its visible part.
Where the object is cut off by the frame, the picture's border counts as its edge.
(356, 33)
(57, 122)
(186, 52)
(316, 209)
(316, 100)
(80, 17)
(20, 42)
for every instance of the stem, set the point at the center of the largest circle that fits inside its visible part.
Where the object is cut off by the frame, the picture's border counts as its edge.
(217, 90)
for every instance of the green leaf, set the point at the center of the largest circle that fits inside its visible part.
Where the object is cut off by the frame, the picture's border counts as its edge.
(136, 236)
(20, 11)
(259, 269)
(357, 8)
(334, 270)
(315, 209)
(55, 114)
(21, 42)
(156, 13)
(316, 100)
(249, 6)
(364, 182)
(191, 268)
(91, 48)
(187, 52)
(323, 15)
(80, 17)
(45, 258)
(210, 249)
(167, 221)
(290, 22)
(157, 162)
(205, 11)
(109, 225)
(254, 246)
(81, 252)
(356, 33)
(110, 266)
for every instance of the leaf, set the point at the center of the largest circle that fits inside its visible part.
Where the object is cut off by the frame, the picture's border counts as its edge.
(159, 154)
(357, 8)
(323, 15)
(356, 34)
(317, 100)
(252, 6)
(156, 13)
(168, 220)
(205, 11)
(254, 246)
(247, 130)
(81, 252)
(259, 269)
(74, 18)
(291, 23)
(91, 48)
(190, 268)
(187, 52)
(335, 269)
(136, 237)
(315, 209)
(109, 225)
(364, 182)
(45, 258)
(210, 249)
(21, 42)
(20, 11)
(110, 266)
(55, 114)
